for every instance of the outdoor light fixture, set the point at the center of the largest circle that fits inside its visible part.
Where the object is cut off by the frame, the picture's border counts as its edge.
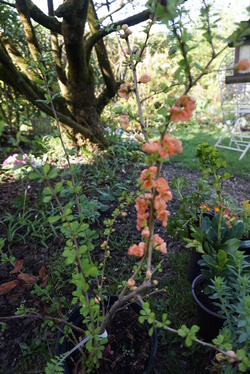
(242, 50)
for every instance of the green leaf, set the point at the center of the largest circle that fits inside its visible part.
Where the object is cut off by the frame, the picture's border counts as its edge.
(54, 219)
(52, 174)
(33, 175)
(231, 245)
(2, 126)
(47, 198)
(188, 341)
(47, 191)
(151, 331)
(46, 169)
(58, 187)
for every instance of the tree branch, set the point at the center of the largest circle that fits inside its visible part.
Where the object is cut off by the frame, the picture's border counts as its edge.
(37, 15)
(24, 14)
(102, 55)
(5, 3)
(130, 21)
(21, 83)
(34, 315)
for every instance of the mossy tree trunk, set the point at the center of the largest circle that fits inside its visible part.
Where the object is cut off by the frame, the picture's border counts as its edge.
(71, 46)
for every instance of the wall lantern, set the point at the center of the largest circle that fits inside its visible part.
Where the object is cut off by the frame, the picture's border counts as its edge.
(242, 50)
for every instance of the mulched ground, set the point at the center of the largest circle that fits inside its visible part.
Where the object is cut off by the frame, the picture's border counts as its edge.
(35, 255)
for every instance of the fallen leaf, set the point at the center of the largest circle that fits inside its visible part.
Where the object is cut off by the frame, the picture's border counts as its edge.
(27, 278)
(18, 266)
(43, 276)
(42, 272)
(7, 287)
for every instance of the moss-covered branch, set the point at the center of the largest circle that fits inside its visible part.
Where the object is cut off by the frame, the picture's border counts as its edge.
(102, 55)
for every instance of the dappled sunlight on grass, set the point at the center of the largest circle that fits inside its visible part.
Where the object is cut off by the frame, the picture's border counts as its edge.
(194, 135)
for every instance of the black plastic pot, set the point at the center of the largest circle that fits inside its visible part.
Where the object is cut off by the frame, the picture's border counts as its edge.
(245, 246)
(77, 318)
(194, 268)
(209, 322)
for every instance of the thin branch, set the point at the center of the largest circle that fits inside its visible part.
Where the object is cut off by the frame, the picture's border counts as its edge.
(35, 315)
(209, 27)
(204, 72)
(5, 3)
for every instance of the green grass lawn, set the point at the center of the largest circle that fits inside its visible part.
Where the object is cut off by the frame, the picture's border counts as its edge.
(194, 135)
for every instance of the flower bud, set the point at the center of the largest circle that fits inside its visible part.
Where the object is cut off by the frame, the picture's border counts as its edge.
(125, 27)
(233, 357)
(131, 282)
(148, 274)
(104, 244)
(124, 214)
(128, 32)
(155, 282)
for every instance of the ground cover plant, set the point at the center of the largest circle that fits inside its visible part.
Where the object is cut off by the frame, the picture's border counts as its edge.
(78, 213)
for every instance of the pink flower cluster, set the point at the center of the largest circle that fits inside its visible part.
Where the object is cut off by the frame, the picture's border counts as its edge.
(124, 91)
(13, 160)
(145, 78)
(124, 121)
(167, 148)
(182, 110)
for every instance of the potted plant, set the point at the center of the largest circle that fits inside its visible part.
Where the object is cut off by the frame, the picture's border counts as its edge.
(221, 228)
(222, 296)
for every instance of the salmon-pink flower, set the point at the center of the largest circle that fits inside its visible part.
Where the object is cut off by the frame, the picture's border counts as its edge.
(159, 244)
(157, 240)
(131, 282)
(137, 250)
(179, 115)
(147, 196)
(145, 78)
(145, 232)
(152, 147)
(148, 173)
(168, 138)
(186, 101)
(141, 205)
(124, 121)
(161, 185)
(163, 216)
(159, 203)
(162, 248)
(124, 91)
(167, 196)
(182, 110)
(148, 184)
(243, 64)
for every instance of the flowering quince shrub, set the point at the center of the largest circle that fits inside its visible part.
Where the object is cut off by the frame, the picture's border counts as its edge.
(154, 196)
